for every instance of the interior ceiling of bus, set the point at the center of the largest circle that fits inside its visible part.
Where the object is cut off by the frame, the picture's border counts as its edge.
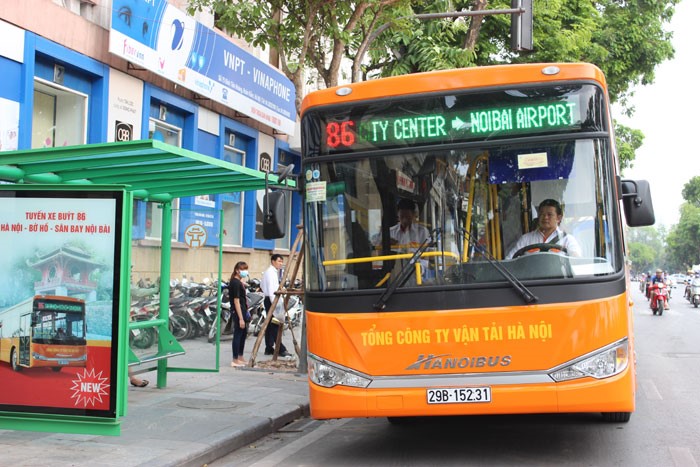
(152, 170)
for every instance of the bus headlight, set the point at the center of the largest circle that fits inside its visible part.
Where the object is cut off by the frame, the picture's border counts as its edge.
(601, 364)
(328, 375)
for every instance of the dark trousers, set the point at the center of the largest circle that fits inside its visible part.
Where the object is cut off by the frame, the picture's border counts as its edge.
(238, 343)
(272, 331)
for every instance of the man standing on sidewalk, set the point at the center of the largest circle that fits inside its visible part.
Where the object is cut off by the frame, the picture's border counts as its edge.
(269, 285)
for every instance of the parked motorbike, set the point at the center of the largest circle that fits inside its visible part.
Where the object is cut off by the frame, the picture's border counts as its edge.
(144, 307)
(294, 316)
(256, 307)
(659, 298)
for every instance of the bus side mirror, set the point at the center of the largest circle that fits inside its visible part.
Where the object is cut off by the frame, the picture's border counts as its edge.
(274, 217)
(275, 207)
(636, 202)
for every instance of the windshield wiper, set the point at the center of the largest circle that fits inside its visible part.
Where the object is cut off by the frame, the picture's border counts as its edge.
(527, 295)
(405, 272)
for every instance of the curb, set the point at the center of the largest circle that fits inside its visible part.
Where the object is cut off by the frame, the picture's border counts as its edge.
(232, 441)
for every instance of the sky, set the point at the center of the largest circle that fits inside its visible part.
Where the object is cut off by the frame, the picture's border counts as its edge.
(666, 114)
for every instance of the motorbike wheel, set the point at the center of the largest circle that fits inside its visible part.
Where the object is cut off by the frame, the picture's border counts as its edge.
(180, 326)
(144, 339)
(660, 307)
(212, 331)
(696, 301)
(256, 325)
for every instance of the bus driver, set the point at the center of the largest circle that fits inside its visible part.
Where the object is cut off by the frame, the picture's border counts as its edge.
(408, 234)
(548, 231)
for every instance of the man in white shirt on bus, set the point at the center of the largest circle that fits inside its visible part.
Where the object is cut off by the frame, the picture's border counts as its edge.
(407, 235)
(548, 231)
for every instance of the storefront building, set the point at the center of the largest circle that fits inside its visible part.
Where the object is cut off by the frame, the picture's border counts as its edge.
(90, 71)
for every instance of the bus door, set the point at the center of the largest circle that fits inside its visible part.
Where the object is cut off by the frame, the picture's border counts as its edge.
(25, 325)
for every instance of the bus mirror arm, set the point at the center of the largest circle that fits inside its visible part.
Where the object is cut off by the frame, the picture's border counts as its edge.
(527, 295)
(406, 271)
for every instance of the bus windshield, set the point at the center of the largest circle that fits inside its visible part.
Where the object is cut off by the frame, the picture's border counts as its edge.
(56, 321)
(477, 200)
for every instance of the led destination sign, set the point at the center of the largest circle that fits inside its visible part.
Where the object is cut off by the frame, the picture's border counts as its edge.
(427, 128)
(459, 118)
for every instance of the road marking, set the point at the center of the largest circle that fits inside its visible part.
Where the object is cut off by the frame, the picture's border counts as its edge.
(650, 390)
(278, 457)
(682, 457)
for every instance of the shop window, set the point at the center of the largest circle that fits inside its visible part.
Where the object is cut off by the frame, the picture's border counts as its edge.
(50, 102)
(169, 134)
(232, 203)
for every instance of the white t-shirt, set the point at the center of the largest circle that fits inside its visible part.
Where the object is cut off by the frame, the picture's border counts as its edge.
(565, 241)
(409, 239)
(270, 282)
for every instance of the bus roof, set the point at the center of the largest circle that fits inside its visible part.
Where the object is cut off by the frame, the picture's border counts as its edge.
(450, 80)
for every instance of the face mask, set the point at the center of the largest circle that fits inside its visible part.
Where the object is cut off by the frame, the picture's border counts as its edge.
(244, 273)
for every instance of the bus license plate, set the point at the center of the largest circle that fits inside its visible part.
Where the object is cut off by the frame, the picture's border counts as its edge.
(63, 362)
(459, 395)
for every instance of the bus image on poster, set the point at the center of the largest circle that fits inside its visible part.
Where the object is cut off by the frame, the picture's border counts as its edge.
(59, 307)
(44, 331)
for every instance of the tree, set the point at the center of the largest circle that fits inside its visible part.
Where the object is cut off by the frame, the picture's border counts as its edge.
(314, 34)
(684, 239)
(642, 256)
(691, 191)
(625, 39)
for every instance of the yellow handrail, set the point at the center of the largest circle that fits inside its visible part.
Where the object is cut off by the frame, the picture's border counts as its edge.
(369, 259)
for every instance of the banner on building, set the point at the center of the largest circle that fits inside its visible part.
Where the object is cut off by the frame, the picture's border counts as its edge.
(161, 38)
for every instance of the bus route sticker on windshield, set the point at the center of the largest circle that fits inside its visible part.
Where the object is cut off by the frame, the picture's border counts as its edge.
(315, 192)
(532, 161)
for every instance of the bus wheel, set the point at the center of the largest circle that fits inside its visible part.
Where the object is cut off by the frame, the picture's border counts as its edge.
(617, 417)
(14, 360)
(56, 369)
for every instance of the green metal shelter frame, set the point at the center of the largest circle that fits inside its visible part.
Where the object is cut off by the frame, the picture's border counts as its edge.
(146, 170)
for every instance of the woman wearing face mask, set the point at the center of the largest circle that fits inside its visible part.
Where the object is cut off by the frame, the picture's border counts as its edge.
(239, 306)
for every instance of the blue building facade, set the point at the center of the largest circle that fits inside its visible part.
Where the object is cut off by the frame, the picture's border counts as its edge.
(78, 92)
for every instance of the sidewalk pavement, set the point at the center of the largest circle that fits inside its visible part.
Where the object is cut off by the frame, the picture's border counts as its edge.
(197, 418)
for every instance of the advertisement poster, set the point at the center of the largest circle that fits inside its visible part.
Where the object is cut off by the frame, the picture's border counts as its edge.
(59, 301)
(161, 38)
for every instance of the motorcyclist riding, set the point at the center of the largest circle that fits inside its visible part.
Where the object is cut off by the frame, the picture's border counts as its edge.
(659, 278)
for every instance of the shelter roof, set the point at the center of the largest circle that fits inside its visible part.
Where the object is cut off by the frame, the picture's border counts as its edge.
(152, 170)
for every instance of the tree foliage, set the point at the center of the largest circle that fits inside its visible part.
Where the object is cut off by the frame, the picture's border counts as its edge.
(307, 35)
(625, 38)
(642, 256)
(691, 191)
(683, 242)
(627, 140)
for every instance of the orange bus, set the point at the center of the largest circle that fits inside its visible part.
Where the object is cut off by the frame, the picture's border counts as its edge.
(464, 245)
(44, 331)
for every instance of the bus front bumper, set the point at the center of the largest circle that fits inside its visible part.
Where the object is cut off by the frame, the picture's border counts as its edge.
(613, 394)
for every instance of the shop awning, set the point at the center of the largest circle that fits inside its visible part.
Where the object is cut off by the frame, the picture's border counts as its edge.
(152, 170)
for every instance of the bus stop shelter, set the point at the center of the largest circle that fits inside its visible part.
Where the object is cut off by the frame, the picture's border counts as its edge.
(145, 170)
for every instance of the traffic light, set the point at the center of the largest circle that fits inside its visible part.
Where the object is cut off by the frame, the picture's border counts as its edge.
(521, 26)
